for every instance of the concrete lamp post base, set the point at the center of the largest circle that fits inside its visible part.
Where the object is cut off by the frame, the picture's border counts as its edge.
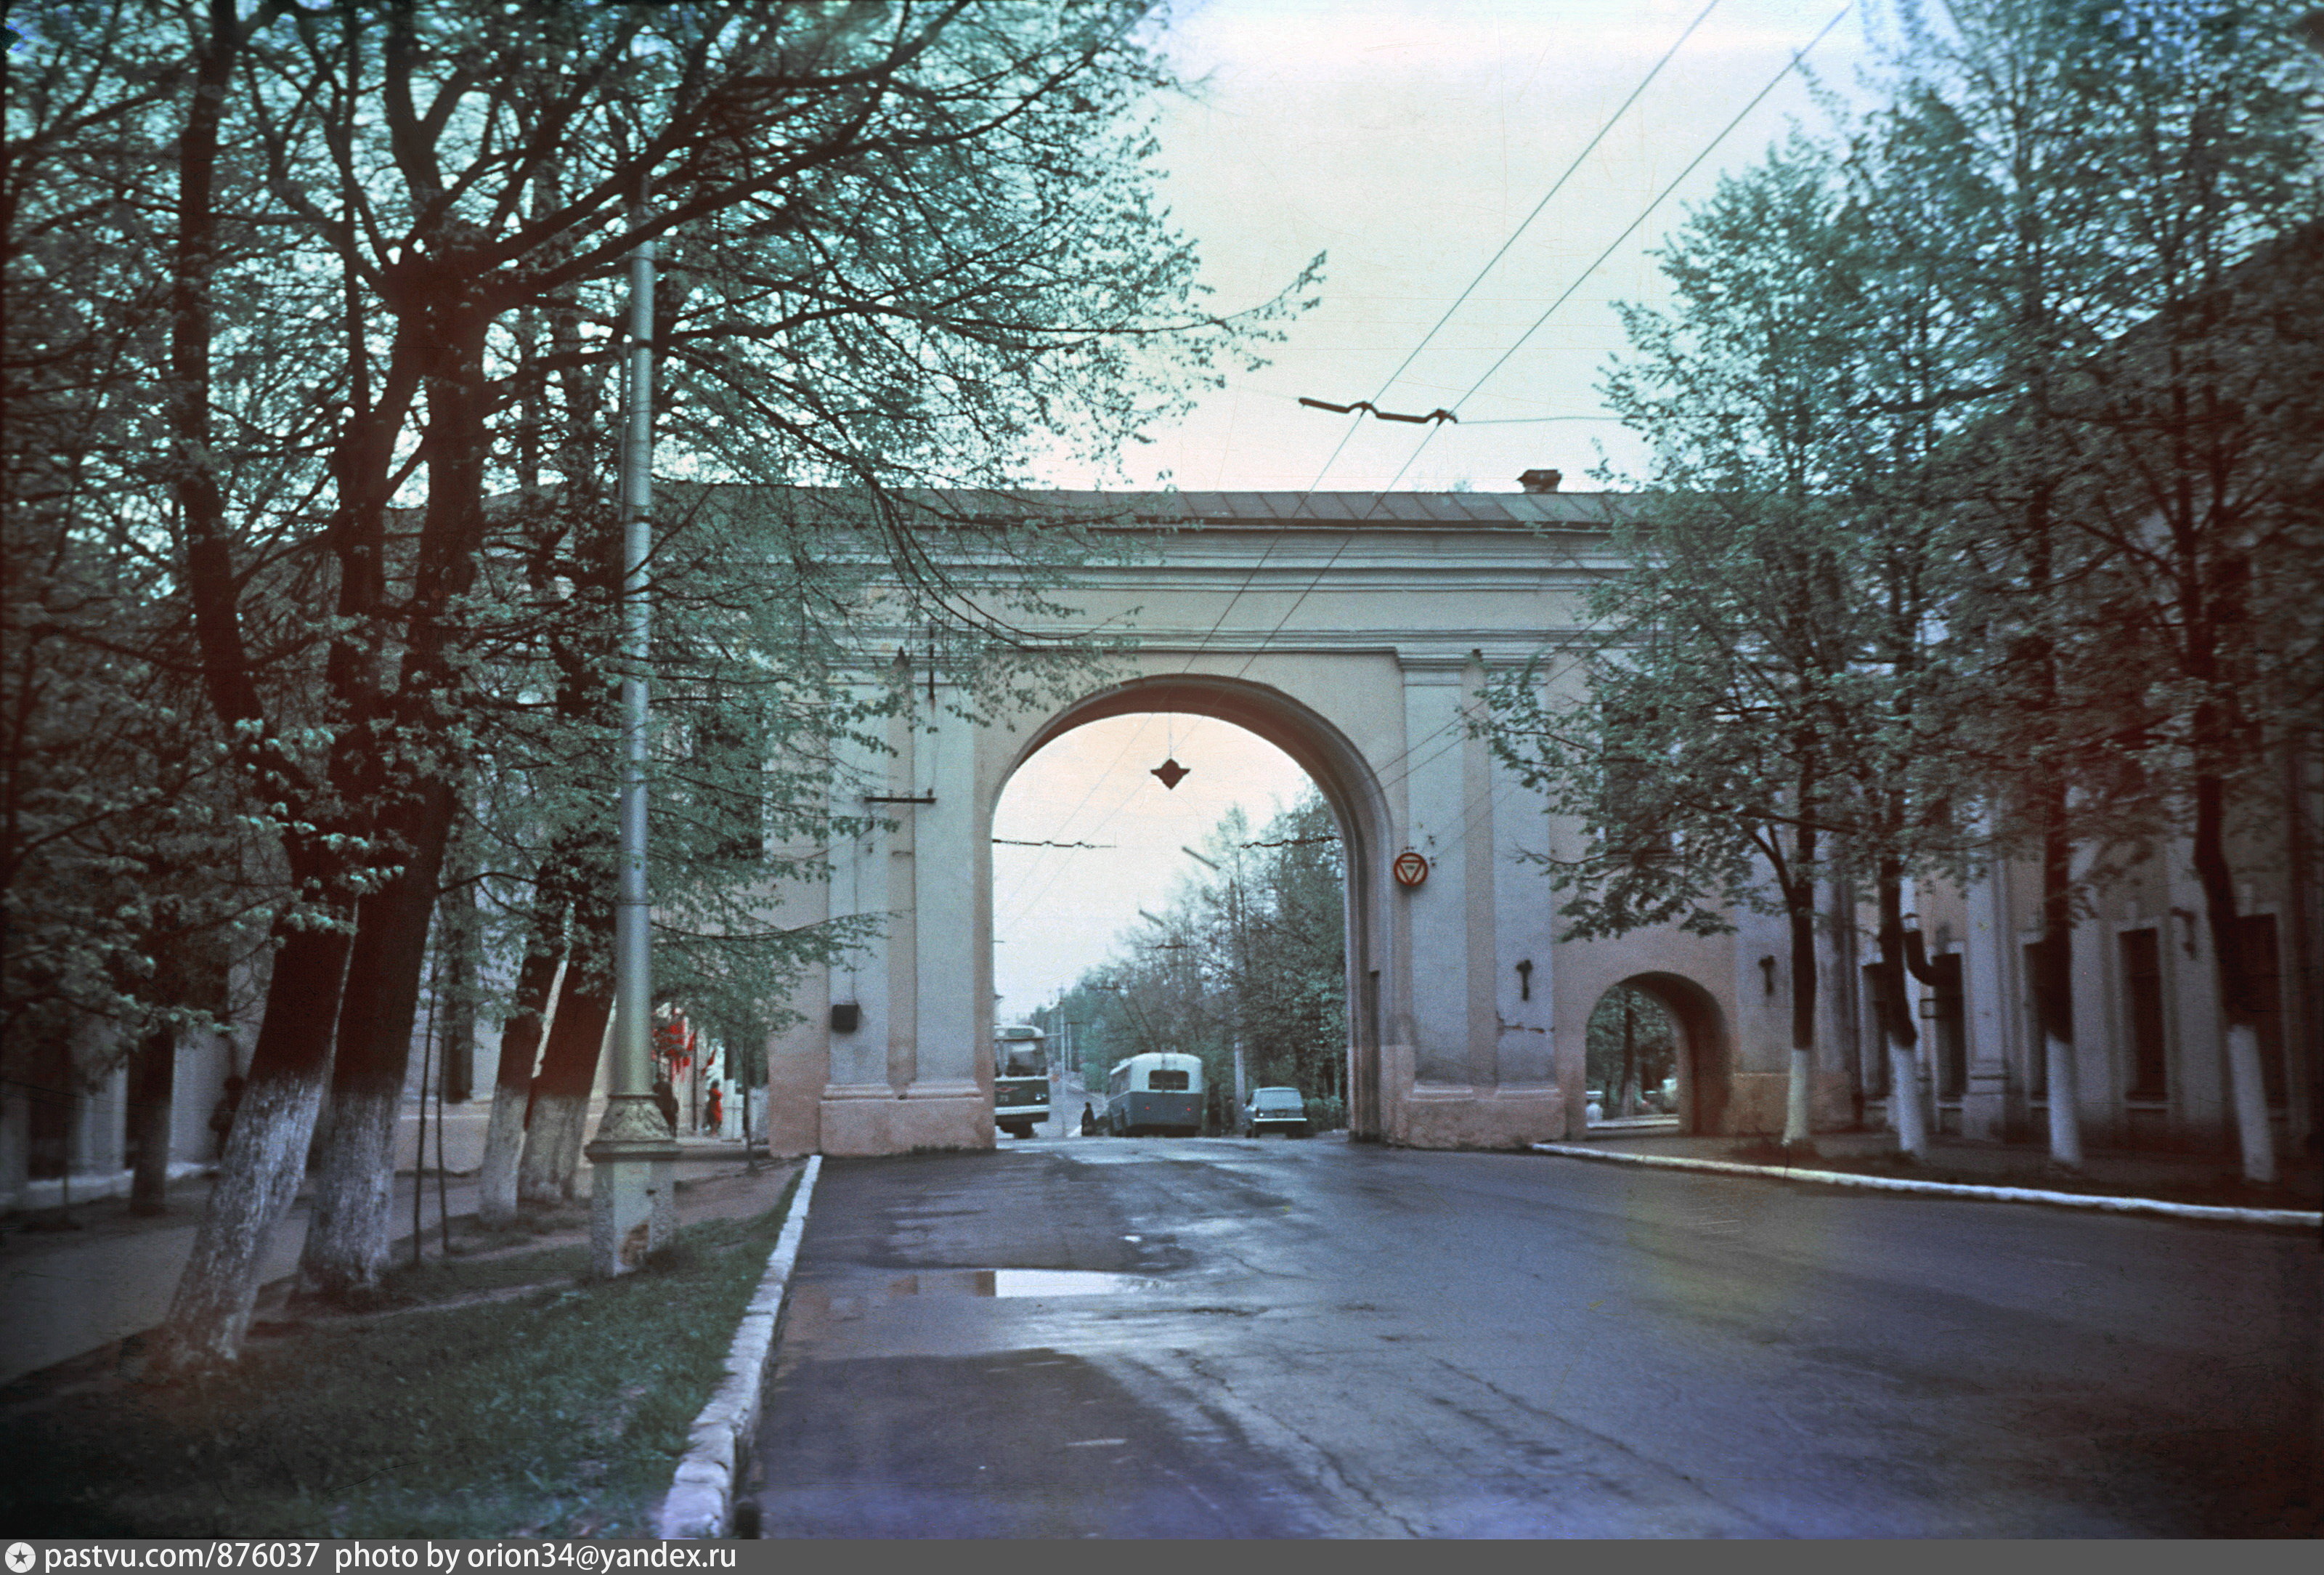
(631, 1188)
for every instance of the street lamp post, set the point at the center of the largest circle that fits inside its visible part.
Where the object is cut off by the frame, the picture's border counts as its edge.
(634, 1153)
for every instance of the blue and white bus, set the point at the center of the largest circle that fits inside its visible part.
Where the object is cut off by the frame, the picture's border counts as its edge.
(1021, 1078)
(1157, 1092)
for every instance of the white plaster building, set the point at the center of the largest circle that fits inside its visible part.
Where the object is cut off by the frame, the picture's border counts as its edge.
(1355, 631)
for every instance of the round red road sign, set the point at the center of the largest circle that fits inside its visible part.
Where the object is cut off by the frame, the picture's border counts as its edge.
(1410, 869)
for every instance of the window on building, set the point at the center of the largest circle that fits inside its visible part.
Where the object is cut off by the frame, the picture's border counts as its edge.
(2142, 1010)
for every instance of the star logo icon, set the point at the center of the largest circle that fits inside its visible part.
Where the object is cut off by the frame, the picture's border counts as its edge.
(20, 1557)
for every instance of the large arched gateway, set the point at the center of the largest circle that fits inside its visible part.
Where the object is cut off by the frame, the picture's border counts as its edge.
(1354, 631)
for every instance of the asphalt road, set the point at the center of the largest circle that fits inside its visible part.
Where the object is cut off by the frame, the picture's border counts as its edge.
(1315, 1338)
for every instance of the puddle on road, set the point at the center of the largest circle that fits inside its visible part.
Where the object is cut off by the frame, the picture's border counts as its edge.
(816, 1307)
(1015, 1283)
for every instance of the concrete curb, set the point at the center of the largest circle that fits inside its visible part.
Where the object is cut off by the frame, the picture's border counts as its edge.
(2168, 1210)
(701, 1500)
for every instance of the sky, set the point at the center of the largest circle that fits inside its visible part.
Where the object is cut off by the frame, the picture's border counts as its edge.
(1409, 142)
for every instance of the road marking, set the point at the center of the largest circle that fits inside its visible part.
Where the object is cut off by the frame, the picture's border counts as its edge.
(1094, 1443)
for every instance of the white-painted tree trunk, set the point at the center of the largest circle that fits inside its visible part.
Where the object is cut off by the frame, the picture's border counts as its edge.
(2247, 1088)
(2065, 1099)
(258, 1179)
(1796, 1095)
(1907, 1114)
(570, 1142)
(544, 1176)
(496, 1192)
(351, 1230)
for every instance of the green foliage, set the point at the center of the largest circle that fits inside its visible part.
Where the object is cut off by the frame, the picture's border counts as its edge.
(1252, 952)
(1976, 466)
(310, 468)
(1631, 1040)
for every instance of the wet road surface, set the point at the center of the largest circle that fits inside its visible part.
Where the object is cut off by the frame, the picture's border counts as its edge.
(1278, 1339)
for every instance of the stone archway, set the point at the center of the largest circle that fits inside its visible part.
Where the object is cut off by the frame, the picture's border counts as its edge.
(1705, 1059)
(1355, 631)
(1348, 785)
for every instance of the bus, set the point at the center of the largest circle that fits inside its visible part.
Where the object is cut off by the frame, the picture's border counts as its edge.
(1021, 1078)
(1157, 1092)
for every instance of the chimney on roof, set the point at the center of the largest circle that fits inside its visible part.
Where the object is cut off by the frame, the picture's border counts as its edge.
(1541, 480)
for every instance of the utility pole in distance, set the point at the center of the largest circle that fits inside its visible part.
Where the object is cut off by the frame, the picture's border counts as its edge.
(634, 1155)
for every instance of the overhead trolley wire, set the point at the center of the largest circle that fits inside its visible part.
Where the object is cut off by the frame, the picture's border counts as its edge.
(1372, 405)
(1631, 229)
(1436, 425)
(1725, 132)
(1494, 261)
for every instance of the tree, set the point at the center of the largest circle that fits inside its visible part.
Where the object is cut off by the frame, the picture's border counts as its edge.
(1632, 1046)
(1720, 745)
(906, 237)
(1980, 519)
(2129, 225)
(1277, 948)
(1251, 956)
(127, 878)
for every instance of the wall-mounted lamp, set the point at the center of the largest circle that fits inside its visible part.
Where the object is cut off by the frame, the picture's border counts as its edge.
(1525, 979)
(2187, 931)
(1767, 976)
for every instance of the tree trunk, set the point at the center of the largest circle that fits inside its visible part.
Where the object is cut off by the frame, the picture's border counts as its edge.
(1907, 1112)
(152, 1082)
(496, 1196)
(459, 944)
(265, 1156)
(2053, 992)
(1627, 1102)
(521, 1040)
(1798, 1120)
(2247, 1088)
(553, 1133)
(1798, 885)
(352, 1229)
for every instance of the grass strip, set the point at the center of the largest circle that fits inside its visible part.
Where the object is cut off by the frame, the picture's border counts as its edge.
(560, 1413)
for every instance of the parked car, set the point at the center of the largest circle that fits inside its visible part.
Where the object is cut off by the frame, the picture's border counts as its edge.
(1274, 1110)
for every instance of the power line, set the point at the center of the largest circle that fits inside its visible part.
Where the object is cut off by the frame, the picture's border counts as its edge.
(1789, 67)
(1447, 415)
(1628, 230)
(1555, 187)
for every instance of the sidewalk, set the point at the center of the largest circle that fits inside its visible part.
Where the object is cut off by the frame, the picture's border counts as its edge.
(2212, 1179)
(65, 1293)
